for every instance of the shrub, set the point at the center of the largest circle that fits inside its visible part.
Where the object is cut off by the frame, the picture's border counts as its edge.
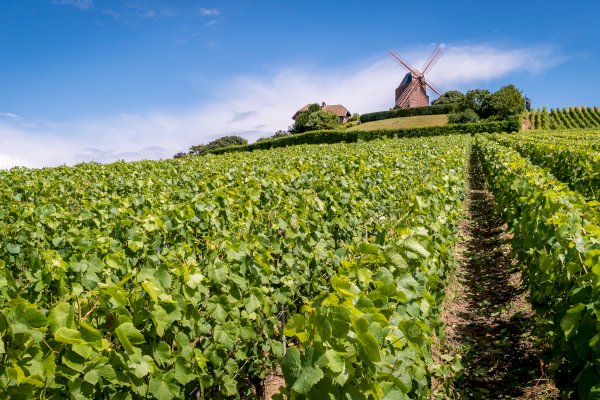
(463, 117)
(338, 136)
(451, 97)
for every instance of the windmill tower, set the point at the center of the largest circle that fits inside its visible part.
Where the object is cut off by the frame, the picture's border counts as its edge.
(412, 91)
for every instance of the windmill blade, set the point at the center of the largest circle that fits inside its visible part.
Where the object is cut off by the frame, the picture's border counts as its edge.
(434, 87)
(402, 100)
(396, 57)
(433, 58)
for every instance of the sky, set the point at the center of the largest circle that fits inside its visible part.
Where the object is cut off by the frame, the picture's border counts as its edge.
(104, 80)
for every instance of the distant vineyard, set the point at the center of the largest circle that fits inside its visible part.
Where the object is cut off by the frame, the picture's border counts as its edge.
(574, 117)
(171, 279)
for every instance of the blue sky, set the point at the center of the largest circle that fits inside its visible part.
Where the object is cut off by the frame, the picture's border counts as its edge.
(102, 80)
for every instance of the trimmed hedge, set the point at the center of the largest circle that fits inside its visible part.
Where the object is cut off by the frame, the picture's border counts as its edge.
(407, 112)
(329, 137)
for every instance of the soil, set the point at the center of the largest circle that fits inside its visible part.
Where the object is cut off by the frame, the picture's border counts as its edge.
(487, 317)
(272, 383)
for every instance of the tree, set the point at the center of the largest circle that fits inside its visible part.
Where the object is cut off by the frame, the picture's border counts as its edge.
(354, 117)
(451, 97)
(322, 119)
(474, 100)
(302, 119)
(197, 149)
(280, 133)
(507, 101)
(225, 141)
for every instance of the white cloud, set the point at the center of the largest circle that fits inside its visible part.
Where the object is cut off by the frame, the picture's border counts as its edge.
(252, 107)
(81, 4)
(208, 12)
(10, 115)
(14, 118)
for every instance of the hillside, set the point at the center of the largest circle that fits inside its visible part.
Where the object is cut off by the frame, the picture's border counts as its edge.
(403, 122)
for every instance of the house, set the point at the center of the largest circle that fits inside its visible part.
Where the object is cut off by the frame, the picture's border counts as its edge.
(339, 110)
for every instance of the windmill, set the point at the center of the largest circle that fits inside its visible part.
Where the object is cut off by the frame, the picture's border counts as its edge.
(412, 91)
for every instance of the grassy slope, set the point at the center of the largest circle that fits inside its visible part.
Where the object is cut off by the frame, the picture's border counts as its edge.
(403, 122)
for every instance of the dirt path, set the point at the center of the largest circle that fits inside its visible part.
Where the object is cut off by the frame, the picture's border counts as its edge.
(488, 318)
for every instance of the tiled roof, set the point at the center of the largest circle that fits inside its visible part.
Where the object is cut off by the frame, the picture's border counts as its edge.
(337, 109)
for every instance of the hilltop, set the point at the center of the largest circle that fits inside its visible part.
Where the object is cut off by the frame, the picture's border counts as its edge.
(417, 121)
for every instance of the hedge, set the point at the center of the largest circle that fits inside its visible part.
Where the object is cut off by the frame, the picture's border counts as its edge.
(407, 112)
(329, 137)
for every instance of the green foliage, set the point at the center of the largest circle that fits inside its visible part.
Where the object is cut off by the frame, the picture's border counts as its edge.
(475, 100)
(224, 141)
(202, 149)
(463, 117)
(406, 112)
(504, 103)
(335, 136)
(451, 97)
(354, 117)
(280, 133)
(165, 279)
(302, 119)
(369, 335)
(322, 120)
(566, 156)
(557, 236)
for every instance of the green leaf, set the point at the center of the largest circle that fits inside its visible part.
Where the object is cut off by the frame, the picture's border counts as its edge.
(413, 245)
(571, 318)
(89, 333)
(226, 334)
(129, 336)
(393, 257)
(68, 336)
(152, 290)
(13, 248)
(412, 331)
(162, 390)
(309, 377)
(291, 366)
(301, 376)
(335, 361)
(61, 316)
(162, 352)
(135, 245)
(183, 371)
(230, 386)
(369, 345)
(143, 367)
(367, 248)
(252, 304)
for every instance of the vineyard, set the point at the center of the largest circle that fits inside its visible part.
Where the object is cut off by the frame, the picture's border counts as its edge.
(571, 118)
(198, 277)
(170, 279)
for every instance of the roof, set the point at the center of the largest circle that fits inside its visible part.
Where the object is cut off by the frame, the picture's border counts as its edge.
(338, 109)
(407, 79)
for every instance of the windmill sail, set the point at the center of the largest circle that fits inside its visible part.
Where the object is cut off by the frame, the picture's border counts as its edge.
(412, 91)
